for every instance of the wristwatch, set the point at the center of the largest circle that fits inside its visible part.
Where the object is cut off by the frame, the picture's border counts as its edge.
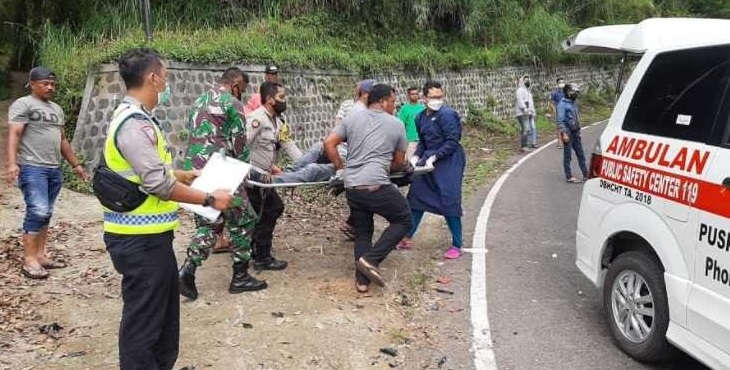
(209, 200)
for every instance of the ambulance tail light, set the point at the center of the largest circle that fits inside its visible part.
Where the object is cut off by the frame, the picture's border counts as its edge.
(596, 161)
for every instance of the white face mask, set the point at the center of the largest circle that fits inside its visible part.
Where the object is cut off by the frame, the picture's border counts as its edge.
(561, 85)
(434, 104)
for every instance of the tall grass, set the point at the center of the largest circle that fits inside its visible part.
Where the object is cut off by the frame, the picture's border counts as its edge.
(532, 36)
(341, 34)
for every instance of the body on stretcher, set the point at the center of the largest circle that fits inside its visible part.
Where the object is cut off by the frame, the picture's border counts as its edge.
(258, 173)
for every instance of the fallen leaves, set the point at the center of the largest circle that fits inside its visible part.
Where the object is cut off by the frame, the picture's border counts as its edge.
(22, 300)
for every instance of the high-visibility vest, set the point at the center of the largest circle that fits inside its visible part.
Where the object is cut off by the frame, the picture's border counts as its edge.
(155, 215)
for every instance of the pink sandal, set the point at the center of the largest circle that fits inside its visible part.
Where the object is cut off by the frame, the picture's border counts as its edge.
(453, 253)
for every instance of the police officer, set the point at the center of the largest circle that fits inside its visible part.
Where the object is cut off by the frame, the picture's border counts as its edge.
(267, 135)
(139, 241)
(216, 124)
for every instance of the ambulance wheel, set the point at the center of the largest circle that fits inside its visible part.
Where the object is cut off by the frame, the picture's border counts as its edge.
(636, 308)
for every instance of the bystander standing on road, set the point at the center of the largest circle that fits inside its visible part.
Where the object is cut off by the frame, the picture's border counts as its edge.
(438, 192)
(569, 126)
(525, 113)
(376, 144)
(407, 114)
(138, 235)
(36, 147)
(216, 124)
(555, 97)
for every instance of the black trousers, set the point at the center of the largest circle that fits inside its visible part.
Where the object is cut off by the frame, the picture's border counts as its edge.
(388, 202)
(269, 206)
(149, 333)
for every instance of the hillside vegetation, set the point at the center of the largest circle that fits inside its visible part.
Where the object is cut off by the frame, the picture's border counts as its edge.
(72, 36)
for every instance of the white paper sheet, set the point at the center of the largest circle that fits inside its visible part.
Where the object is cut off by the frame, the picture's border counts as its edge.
(219, 173)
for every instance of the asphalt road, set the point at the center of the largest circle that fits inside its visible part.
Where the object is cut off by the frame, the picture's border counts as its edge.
(543, 313)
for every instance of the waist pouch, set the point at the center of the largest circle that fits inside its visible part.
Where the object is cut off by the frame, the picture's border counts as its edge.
(114, 191)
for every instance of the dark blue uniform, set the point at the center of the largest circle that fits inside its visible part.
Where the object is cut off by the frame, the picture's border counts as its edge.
(439, 192)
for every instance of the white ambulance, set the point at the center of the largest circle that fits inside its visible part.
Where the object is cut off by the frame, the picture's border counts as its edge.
(653, 229)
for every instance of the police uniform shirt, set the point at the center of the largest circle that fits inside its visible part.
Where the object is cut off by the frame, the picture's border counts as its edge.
(265, 135)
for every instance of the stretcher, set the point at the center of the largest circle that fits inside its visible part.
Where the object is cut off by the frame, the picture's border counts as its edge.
(417, 171)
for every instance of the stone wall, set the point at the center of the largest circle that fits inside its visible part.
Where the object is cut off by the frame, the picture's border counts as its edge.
(315, 95)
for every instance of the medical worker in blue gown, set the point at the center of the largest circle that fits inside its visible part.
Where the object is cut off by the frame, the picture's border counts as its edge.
(438, 192)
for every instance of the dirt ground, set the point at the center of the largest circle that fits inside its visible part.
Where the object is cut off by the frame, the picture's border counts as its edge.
(310, 317)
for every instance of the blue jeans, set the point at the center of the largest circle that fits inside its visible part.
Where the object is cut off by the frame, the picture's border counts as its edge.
(575, 143)
(528, 132)
(316, 154)
(312, 172)
(40, 187)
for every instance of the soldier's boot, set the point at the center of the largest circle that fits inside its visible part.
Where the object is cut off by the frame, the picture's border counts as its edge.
(242, 281)
(265, 261)
(186, 280)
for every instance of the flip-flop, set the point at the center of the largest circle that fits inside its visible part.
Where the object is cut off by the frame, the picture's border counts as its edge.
(348, 231)
(405, 245)
(362, 288)
(221, 250)
(53, 265)
(39, 274)
(370, 271)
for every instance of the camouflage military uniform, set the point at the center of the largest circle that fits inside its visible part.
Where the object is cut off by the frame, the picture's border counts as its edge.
(216, 124)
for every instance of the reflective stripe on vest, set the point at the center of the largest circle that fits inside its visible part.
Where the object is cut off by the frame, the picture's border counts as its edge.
(155, 215)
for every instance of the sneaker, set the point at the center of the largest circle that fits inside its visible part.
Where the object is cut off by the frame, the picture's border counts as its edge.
(405, 244)
(453, 253)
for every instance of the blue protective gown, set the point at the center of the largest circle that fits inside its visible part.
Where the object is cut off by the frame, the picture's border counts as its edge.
(439, 192)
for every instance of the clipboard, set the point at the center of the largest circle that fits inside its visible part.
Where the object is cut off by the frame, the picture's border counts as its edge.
(220, 172)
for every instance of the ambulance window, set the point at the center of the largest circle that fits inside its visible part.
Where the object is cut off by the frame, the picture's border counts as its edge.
(721, 134)
(680, 94)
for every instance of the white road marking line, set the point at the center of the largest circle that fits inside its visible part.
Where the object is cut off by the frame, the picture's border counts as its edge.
(472, 250)
(482, 344)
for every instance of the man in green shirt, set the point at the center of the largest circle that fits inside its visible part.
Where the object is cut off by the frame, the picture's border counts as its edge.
(407, 115)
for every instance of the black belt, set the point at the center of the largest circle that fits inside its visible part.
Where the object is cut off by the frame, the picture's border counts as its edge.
(370, 188)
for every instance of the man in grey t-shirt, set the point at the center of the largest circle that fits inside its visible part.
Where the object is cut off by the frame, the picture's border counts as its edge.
(36, 146)
(376, 144)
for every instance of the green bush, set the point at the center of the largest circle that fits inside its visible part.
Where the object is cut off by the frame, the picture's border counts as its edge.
(72, 182)
(598, 96)
(533, 36)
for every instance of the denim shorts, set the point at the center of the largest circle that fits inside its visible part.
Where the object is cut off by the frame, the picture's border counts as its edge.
(40, 187)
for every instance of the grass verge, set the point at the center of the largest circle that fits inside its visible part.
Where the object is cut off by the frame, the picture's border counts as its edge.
(490, 142)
